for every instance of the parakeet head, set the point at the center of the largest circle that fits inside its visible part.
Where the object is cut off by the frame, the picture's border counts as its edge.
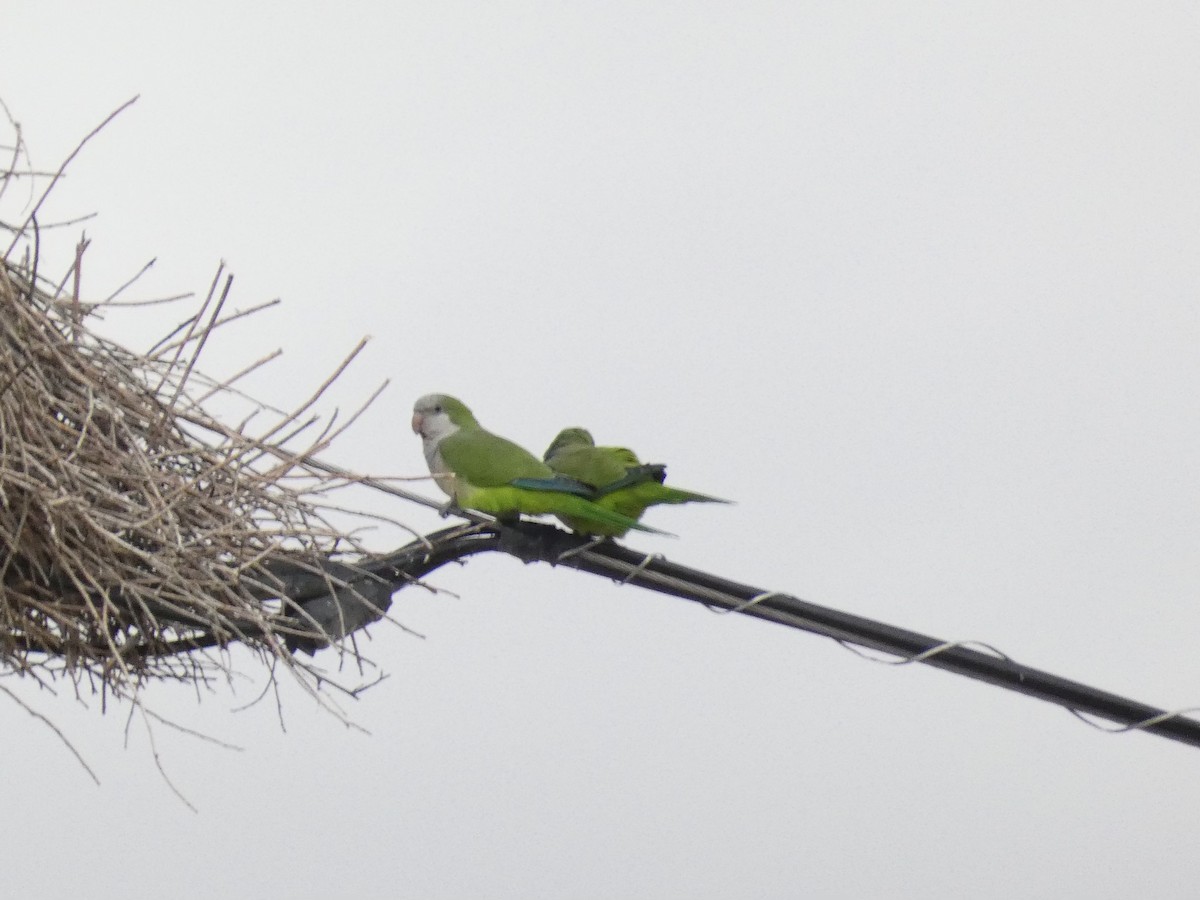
(569, 437)
(438, 415)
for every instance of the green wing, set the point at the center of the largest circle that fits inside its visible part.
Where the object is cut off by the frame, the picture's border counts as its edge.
(562, 484)
(488, 460)
(597, 466)
(622, 483)
(635, 475)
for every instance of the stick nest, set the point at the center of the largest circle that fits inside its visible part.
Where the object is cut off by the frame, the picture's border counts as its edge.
(126, 540)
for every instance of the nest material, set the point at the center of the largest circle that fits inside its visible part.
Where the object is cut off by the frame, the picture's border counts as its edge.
(127, 540)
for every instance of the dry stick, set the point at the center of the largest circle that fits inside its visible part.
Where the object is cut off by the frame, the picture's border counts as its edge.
(375, 484)
(190, 732)
(155, 301)
(259, 444)
(67, 277)
(27, 173)
(226, 386)
(9, 173)
(207, 330)
(212, 288)
(76, 309)
(140, 272)
(321, 389)
(62, 737)
(33, 269)
(67, 223)
(57, 175)
(154, 753)
(162, 347)
(253, 455)
(329, 435)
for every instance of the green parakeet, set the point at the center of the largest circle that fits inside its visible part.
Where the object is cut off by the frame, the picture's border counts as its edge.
(623, 484)
(488, 473)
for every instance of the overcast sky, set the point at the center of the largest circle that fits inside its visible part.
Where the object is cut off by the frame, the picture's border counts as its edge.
(915, 284)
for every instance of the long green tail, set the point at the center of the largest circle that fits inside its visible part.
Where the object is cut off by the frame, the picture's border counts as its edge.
(576, 508)
(678, 495)
(645, 481)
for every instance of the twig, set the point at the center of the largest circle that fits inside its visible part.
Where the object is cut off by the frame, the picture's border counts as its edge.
(62, 168)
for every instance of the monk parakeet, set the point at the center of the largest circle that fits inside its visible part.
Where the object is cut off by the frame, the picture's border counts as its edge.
(622, 483)
(485, 472)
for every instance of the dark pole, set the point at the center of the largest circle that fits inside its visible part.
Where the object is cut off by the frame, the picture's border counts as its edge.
(336, 598)
(657, 574)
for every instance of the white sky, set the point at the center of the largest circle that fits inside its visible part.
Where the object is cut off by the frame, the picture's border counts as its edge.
(916, 284)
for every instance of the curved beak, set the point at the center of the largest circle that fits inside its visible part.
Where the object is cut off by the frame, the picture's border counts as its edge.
(418, 422)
